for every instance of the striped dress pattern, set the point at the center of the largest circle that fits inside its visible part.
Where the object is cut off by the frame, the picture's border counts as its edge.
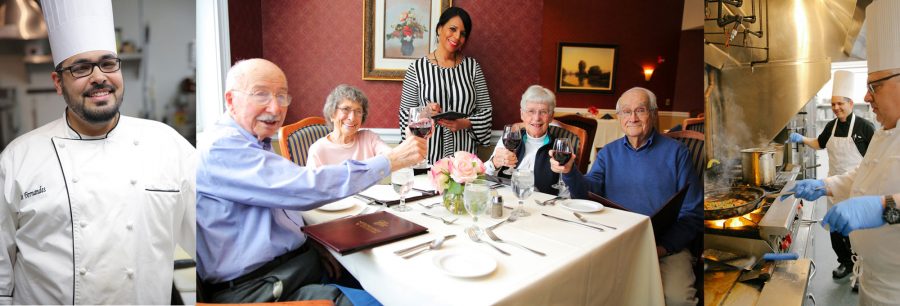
(460, 89)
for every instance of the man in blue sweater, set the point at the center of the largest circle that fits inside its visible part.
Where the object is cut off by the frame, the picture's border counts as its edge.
(641, 171)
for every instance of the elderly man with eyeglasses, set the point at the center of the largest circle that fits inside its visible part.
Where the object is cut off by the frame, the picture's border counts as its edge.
(641, 171)
(93, 204)
(870, 215)
(249, 244)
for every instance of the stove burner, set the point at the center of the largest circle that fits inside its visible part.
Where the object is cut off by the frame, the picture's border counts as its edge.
(746, 226)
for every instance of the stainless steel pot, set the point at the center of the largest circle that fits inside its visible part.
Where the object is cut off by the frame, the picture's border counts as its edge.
(758, 166)
(778, 148)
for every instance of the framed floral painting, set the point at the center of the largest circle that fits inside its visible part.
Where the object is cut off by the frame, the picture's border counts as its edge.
(396, 33)
(585, 67)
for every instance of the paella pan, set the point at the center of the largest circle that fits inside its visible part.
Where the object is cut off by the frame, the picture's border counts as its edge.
(730, 202)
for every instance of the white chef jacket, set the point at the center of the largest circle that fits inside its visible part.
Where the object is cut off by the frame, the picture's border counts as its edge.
(877, 174)
(95, 221)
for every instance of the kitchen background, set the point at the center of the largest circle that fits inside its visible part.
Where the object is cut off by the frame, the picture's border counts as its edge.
(156, 46)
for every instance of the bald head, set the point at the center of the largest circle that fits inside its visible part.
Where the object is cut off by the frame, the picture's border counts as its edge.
(247, 85)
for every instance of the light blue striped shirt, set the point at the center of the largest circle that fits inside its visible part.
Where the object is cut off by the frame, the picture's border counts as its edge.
(248, 199)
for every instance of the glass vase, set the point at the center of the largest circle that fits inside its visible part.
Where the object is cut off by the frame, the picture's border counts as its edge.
(453, 199)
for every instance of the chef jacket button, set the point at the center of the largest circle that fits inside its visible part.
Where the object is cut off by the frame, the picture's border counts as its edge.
(74, 180)
(129, 227)
(133, 182)
(82, 271)
(62, 146)
(130, 273)
(136, 142)
(83, 224)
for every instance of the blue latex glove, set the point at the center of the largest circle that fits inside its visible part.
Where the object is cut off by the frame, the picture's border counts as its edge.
(795, 138)
(855, 213)
(810, 189)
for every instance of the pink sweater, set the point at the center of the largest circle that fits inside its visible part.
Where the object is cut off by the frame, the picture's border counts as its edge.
(325, 152)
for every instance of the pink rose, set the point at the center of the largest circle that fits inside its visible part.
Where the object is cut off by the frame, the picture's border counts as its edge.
(465, 167)
(439, 174)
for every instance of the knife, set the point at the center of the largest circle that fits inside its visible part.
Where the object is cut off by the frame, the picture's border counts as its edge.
(585, 220)
(579, 223)
(426, 243)
(370, 200)
(423, 191)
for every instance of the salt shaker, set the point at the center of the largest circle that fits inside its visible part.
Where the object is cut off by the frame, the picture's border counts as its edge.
(496, 206)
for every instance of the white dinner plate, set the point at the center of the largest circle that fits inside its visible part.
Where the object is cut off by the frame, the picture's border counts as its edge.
(581, 205)
(339, 205)
(465, 263)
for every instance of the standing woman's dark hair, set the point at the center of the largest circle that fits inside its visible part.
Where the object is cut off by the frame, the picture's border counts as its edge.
(453, 12)
(445, 80)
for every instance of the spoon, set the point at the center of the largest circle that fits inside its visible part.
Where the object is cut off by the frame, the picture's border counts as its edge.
(439, 218)
(436, 244)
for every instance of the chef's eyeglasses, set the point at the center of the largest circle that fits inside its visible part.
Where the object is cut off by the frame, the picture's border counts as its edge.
(874, 84)
(80, 70)
(640, 112)
(262, 98)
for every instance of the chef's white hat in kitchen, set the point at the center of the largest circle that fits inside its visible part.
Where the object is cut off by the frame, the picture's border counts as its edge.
(843, 84)
(883, 35)
(78, 26)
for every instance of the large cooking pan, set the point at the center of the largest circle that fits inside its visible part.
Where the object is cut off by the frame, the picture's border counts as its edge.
(749, 196)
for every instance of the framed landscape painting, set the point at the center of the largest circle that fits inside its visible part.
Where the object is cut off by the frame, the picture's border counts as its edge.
(396, 33)
(586, 67)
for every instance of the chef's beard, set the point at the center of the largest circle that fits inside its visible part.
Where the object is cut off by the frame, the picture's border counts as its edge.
(76, 102)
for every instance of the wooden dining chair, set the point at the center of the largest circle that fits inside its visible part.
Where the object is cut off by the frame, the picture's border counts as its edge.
(694, 141)
(693, 124)
(296, 138)
(579, 142)
(589, 125)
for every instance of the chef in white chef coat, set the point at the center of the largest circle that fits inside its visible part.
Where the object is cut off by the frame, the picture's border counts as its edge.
(869, 215)
(93, 204)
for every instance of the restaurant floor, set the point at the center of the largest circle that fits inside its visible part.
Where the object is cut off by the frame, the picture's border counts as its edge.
(827, 290)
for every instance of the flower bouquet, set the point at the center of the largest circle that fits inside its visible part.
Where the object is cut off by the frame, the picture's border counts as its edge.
(406, 30)
(450, 174)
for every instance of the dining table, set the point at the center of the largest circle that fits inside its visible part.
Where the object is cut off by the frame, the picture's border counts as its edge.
(582, 265)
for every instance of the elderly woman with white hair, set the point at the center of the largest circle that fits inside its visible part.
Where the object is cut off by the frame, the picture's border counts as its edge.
(537, 108)
(345, 110)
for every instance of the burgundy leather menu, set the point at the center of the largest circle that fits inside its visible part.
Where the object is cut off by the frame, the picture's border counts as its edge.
(357, 233)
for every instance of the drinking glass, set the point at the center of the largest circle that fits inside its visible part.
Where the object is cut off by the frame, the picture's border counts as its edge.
(562, 153)
(476, 197)
(402, 180)
(512, 139)
(421, 125)
(523, 186)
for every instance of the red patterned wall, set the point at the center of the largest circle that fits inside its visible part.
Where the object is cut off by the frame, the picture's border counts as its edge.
(319, 45)
(643, 30)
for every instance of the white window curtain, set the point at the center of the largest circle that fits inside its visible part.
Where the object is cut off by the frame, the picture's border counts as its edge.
(213, 61)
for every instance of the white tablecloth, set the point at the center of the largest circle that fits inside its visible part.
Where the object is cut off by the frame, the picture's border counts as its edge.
(583, 266)
(607, 131)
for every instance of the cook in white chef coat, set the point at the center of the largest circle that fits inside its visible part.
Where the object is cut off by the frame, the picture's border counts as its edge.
(872, 186)
(93, 203)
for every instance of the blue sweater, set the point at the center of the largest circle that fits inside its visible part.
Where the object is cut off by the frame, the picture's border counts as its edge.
(643, 179)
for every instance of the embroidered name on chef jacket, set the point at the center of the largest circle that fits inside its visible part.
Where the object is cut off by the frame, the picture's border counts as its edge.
(32, 193)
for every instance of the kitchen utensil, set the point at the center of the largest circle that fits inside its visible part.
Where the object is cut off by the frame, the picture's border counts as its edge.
(439, 218)
(585, 220)
(494, 237)
(764, 272)
(434, 245)
(511, 219)
(758, 166)
(750, 195)
(429, 206)
(423, 244)
(579, 223)
(474, 236)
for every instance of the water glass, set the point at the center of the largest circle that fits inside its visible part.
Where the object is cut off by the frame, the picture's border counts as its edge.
(475, 197)
(523, 186)
(402, 181)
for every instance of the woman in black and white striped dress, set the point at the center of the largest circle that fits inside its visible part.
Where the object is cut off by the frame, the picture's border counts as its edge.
(445, 80)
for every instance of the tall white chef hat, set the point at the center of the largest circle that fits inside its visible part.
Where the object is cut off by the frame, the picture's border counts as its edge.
(79, 26)
(843, 84)
(883, 35)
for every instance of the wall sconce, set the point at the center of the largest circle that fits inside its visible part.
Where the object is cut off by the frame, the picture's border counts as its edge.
(648, 72)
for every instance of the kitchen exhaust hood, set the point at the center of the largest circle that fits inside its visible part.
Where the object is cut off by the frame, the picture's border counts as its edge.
(766, 59)
(21, 20)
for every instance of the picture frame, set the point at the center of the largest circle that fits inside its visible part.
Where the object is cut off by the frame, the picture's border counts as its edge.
(396, 33)
(586, 67)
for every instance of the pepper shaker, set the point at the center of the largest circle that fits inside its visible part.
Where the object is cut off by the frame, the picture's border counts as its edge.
(496, 206)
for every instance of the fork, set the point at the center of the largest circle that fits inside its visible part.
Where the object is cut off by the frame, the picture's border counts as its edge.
(494, 237)
(512, 218)
(439, 218)
(585, 220)
(547, 202)
(429, 206)
(474, 236)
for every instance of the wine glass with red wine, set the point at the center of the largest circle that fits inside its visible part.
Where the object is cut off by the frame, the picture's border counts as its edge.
(421, 125)
(512, 139)
(562, 153)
